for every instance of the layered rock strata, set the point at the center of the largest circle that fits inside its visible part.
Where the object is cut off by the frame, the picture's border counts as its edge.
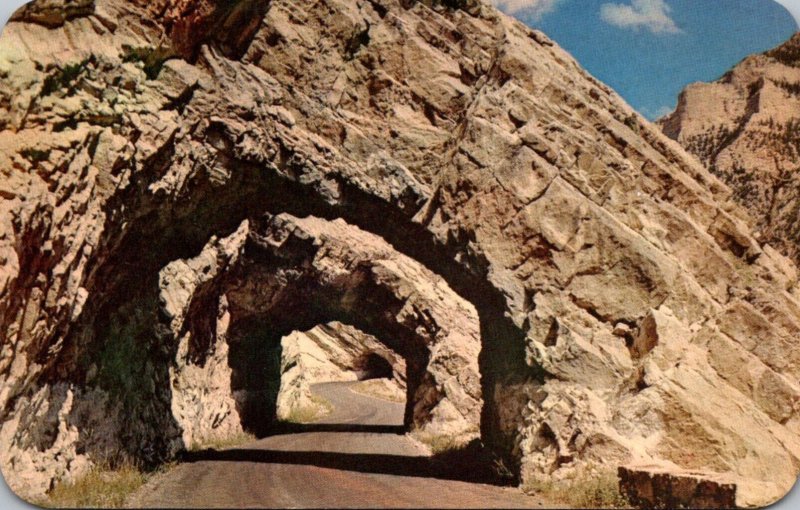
(626, 311)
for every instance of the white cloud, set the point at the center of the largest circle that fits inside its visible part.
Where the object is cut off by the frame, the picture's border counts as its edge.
(793, 6)
(656, 113)
(652, 15)
(535, 8)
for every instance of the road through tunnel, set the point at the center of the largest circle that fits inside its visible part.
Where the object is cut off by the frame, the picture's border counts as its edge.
(350, 361)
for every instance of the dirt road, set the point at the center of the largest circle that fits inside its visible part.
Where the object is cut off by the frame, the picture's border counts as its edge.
(356, 457)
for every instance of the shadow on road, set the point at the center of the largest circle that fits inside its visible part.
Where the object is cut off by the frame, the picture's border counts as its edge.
(299, 428)
(450, 466)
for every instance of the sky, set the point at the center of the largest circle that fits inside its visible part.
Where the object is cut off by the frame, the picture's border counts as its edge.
(793, 6)
(649, 50)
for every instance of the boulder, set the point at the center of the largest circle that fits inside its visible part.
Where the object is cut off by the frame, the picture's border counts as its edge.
(653, 487)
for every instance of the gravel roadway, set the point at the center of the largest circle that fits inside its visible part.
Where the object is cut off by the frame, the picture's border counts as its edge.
(356, 457)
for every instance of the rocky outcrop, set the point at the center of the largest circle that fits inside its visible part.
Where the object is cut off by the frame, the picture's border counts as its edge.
(745, 128)
(53, 13)
(440, 155)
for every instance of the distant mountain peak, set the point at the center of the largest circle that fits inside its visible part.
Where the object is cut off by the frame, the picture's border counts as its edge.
(787, 53)
(745, 128)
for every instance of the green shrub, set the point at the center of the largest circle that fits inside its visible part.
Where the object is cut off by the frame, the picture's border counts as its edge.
(152, 58)
(62, 78)
(35, 155)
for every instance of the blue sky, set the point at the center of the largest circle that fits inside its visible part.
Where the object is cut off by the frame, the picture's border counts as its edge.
(649, 50)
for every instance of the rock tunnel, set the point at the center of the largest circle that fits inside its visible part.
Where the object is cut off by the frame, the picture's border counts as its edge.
(283, 274)
(130, 375)
(161, 359)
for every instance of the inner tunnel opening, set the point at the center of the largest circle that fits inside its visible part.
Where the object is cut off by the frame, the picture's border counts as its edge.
(374, 366)
(338, 374)
(280, 380)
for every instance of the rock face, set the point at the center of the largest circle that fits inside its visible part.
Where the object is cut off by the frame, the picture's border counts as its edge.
(185, 183)
(745, 128)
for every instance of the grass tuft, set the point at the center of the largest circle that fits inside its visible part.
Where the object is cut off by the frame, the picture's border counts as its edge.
(464, 457)
(312, 413)
(583, 489)
(223, 443)
(441, 443)
(99, 488)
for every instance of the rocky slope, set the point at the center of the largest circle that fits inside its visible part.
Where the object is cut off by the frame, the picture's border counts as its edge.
(745, 127)
(186, 182)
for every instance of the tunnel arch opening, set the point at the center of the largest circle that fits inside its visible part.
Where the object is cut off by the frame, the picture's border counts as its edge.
(133, 283)
(257, 364)
(295, 273)
(332, 357)
(374, 366)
